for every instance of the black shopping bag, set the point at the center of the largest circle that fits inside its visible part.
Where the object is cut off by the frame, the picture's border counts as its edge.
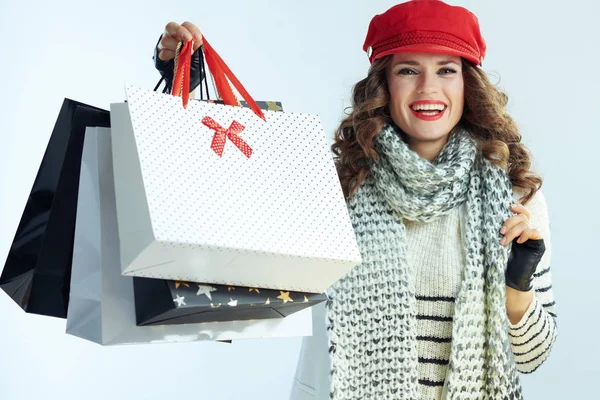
(164, 302)
(37, 272)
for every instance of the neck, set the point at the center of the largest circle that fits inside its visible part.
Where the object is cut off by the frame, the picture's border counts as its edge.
(427, 149)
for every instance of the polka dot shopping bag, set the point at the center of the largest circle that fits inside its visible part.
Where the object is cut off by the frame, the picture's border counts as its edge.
(223, 194)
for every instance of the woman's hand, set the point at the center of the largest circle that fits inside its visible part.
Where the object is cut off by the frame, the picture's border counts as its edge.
(175, 33)
(526, 252)
(518, 226)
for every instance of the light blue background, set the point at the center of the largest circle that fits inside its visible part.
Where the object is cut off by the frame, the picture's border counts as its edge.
(307, 55)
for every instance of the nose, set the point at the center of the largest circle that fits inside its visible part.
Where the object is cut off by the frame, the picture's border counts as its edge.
(428, 83)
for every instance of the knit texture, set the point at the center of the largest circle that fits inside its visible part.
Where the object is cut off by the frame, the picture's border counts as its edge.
(435, 249)
(372, 311)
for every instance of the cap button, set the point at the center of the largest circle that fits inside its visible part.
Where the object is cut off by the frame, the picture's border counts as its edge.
(369, 51)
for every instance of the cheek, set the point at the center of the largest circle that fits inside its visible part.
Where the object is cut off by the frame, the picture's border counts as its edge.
(457, 95)
(399, 93)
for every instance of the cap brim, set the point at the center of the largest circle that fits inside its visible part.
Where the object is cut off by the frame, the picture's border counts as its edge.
(427, 48)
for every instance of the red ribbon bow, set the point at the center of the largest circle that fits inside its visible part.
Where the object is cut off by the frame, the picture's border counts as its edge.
(221, 135)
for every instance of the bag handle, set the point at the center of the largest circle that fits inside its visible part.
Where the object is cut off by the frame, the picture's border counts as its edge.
(219, 70)
(181, 78)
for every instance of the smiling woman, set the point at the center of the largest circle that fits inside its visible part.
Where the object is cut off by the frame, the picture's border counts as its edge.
(431, 162)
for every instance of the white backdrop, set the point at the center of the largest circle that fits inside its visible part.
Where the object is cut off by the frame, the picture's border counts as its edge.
(307, 55)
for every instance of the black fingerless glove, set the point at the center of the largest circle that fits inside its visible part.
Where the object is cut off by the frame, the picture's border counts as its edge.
(522, 263)
(166, 69)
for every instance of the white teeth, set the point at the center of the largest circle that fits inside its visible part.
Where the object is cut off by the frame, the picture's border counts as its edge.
(431, 107)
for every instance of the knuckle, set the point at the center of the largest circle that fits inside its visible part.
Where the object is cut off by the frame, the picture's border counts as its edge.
(524, 226)
(162, 43)
(171, 26)
(166, 42)
(165, 55)
(181, 31)
(189, 25)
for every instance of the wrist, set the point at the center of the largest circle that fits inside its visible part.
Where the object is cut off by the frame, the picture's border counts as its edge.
(524, 285)
(517, 303)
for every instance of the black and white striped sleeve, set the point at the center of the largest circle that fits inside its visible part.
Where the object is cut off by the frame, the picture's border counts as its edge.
(533, 337)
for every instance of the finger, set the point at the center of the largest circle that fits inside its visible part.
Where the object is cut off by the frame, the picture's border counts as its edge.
(520, 209)
(524, 236)
(178, 32)
(512, 222)
(166, 54)
(513, 233)
(531, 233)
(168, 43)
(197, 45)
(171, 29)
(194, 30)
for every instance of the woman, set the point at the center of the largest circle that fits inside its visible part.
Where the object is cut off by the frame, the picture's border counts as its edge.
(453, 298)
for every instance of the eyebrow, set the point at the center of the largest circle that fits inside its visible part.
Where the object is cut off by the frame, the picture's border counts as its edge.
(416, 63)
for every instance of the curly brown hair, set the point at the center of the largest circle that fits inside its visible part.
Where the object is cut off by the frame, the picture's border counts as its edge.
(484, 117)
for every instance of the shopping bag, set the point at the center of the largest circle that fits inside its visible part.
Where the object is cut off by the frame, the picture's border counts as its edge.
(227, 195)
(37, 271)
(162, 302)
(101, 305)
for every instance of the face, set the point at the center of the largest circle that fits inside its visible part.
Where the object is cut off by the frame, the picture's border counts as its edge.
(426, 95)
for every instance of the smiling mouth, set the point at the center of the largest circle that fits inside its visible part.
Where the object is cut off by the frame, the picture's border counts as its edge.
(428, 110)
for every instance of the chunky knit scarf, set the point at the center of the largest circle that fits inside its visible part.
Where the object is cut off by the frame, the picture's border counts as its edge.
(371, 311)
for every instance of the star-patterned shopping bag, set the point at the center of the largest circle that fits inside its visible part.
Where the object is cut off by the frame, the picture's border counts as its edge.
(164, 302)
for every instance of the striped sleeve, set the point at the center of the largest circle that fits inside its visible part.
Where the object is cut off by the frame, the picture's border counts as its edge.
(533, 337)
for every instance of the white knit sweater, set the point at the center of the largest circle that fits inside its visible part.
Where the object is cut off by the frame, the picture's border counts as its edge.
(436, 252)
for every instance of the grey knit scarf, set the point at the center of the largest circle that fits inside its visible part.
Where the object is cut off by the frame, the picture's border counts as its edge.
(372, 310)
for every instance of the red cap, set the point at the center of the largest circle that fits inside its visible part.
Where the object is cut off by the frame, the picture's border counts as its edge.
(425, 26)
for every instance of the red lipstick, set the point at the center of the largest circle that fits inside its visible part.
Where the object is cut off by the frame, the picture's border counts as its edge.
(428, 117)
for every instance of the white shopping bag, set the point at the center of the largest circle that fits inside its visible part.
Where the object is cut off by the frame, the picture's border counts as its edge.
(101, 306)
(275, 218)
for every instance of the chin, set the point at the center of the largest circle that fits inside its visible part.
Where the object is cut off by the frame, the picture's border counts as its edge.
(427, 135)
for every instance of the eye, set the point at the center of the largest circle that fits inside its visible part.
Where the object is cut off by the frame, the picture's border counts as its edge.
(447, 71)
(407, 71)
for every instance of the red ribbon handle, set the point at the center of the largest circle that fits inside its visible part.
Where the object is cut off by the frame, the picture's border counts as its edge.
(220, 72)
(181, 80)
